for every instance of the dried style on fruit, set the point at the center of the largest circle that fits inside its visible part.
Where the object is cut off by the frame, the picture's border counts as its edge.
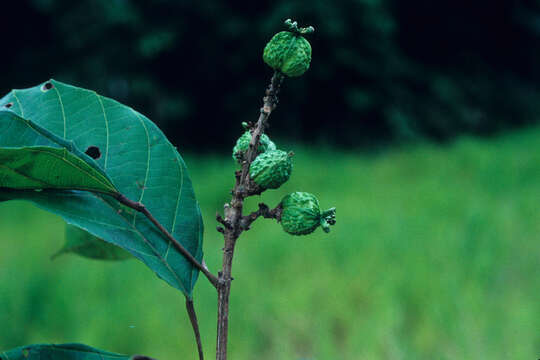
(271, 169)
(242, 145)
(301, 214)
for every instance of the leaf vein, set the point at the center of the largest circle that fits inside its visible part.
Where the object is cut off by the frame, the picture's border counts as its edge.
(149, 244)
(62, 108)
(181, 172)
(147, 160)
(18, 102)
(107, 130)
(100, 181)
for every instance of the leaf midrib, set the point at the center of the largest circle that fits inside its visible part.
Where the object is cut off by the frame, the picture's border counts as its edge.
(154, 250)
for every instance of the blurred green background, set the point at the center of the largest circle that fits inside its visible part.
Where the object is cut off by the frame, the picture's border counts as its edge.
(416, 120)
(435, 255)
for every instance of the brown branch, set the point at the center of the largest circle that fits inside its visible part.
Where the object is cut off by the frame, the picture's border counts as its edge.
(270, 102)
(234, 217)
(264, 211)
(195, 324)
(142, 209)
(222, 221)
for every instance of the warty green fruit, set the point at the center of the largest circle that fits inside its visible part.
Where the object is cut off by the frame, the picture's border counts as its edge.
(242, 145)
(301, 214)
(289, 53)
(271, 169)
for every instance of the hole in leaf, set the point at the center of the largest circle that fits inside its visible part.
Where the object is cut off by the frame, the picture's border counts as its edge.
(7, 106)
(47, 86)
(93, 152)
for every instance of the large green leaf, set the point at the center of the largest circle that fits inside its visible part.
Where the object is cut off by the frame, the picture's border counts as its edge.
(132, 152)
(59, 165)
(40, 167)
(63, 352)
(45, 161)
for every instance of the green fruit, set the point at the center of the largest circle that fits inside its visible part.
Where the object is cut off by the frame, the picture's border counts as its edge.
(271, 169)
(301, 214)
(242, 145)
(289, 53)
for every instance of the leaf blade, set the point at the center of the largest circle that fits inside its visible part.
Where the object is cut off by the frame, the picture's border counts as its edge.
(82, 243)
(71, 351)
(141, 163)
(41, 167)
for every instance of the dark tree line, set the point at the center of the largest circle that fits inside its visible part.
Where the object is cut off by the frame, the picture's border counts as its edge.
(382, 70)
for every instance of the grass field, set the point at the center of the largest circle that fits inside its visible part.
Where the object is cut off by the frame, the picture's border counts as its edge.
(436, 255)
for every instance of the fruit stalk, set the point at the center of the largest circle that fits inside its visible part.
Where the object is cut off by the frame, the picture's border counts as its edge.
(234, 221)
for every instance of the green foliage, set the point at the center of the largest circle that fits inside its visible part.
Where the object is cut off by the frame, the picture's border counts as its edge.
(60, 352)
(271, 169)
(130, 151)
(302, 215)
(422, 264)
(83, 243)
